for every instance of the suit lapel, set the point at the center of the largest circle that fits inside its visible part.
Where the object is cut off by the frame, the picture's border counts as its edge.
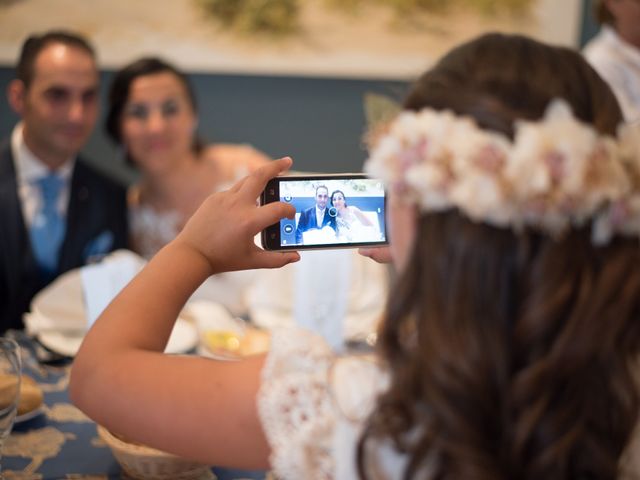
(12, 228)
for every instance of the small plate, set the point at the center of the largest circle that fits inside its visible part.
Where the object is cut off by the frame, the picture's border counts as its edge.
(251, 341)
(63, 343)
(184, 337)
(29, 415)
(214, 318)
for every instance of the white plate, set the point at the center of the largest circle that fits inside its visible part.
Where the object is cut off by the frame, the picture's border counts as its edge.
(184, 337)
(29, 415)
(61, 342)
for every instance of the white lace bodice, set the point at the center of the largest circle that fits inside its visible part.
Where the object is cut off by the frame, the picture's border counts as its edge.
(151, 230)
(349, 228)
(313, 406)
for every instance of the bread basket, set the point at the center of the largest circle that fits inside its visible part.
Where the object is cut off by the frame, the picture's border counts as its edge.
(142, 462)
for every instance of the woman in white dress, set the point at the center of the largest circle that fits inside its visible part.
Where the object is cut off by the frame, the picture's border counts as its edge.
(510, 344)
(152, 116)
(351, 224)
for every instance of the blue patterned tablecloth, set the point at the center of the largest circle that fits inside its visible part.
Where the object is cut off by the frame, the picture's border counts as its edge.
(62, 443)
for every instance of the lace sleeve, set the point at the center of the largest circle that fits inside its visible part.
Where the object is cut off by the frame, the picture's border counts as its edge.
(313, 405)
(295, 405)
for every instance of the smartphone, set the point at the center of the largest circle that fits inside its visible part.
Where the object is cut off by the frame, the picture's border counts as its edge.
(332, 211)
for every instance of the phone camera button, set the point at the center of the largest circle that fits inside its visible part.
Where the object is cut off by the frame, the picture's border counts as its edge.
(288, 228)
(287, 198)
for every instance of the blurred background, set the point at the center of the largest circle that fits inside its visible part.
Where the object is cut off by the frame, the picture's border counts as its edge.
(290, 80)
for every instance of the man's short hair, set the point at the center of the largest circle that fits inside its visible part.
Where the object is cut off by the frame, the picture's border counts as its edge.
(33, 45)
(602, 13)
(321, 186)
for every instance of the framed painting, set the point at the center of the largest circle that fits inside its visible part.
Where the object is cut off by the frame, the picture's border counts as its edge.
(394, 39)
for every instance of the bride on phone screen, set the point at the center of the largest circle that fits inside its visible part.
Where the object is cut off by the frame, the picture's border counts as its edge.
(352, 225)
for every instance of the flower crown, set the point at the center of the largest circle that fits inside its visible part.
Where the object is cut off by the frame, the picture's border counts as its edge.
(557, 172)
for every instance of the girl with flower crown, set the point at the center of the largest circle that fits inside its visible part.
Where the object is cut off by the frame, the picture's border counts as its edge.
(511, 340)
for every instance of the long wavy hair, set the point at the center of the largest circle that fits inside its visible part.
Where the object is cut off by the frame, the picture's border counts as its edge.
(510, 355)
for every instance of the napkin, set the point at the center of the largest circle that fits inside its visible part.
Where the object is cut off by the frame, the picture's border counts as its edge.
(318, 305)
(275, 292)
(73, 301)
(58, 307)
(101, 282)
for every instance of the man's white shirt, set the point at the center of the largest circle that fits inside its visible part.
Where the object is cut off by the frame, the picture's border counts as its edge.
(29, 169)
(320, 215)
(618, 62)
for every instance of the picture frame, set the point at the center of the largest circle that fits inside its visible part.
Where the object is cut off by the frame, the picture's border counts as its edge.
(325, 38)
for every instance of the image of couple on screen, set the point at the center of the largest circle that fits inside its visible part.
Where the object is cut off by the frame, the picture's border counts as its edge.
(332, 220)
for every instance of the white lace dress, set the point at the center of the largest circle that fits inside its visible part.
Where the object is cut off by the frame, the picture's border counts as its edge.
(313, 406)
(151, 230)
(349, 228)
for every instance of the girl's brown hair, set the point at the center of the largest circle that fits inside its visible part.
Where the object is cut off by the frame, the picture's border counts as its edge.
(510, 354)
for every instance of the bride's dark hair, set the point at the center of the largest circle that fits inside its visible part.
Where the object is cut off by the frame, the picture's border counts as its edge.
(510, 355)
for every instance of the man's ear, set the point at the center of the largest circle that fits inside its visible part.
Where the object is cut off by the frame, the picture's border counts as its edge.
(16, 92)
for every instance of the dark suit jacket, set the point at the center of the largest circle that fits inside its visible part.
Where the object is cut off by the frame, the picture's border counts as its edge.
(96, 224)
(308, 221)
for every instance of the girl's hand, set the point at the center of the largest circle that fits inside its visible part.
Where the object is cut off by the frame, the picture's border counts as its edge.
(223, 229)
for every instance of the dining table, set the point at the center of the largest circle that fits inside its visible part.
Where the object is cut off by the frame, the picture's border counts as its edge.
(58, 441)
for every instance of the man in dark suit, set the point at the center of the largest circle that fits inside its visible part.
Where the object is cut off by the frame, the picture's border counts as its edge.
(56, 211)
(316, 217)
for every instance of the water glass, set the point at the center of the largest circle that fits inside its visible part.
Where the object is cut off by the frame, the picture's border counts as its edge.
(10, 377)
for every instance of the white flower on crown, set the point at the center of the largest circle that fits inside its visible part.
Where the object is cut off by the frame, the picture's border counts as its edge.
(622, 215)
(557, 172)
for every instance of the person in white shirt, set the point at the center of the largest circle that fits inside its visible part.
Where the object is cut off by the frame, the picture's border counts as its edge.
(57, 211)
(615, 52)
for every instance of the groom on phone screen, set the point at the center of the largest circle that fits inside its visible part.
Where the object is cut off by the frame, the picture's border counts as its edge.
(316, 217)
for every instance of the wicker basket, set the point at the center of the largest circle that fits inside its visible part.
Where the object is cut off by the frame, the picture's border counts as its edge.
(142, 462)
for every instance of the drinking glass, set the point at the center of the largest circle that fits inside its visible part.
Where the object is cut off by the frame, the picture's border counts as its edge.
(10, 377)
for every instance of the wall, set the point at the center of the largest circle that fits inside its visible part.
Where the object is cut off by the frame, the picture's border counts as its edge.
(589, 24)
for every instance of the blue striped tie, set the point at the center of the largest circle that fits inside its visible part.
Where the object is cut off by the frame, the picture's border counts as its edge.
(48, 227)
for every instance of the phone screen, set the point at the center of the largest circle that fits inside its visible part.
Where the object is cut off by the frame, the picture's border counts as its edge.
(331, 211)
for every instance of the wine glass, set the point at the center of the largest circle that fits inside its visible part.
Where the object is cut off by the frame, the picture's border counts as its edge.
(10, 377)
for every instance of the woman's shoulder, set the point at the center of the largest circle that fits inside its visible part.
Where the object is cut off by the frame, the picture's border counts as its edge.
(241, 152)
(233, 161)
(354, 212)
